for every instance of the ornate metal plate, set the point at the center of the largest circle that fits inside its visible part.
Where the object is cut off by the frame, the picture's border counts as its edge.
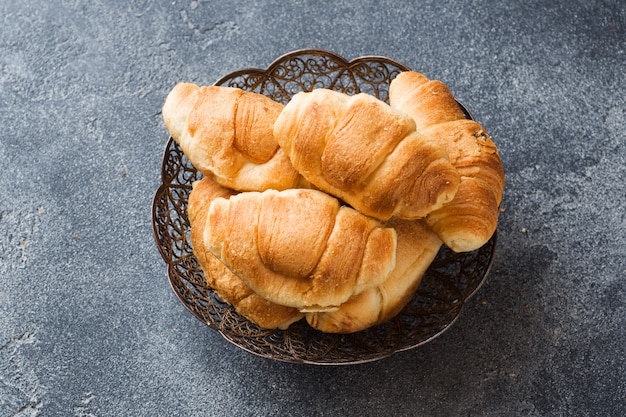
(449, 282)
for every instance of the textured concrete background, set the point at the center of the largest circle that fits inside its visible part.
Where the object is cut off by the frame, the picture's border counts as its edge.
(88, 323)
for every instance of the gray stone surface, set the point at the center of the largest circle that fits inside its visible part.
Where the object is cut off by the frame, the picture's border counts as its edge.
(88, 323)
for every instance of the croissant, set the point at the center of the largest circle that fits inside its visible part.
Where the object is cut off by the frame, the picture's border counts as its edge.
(362, 151)
(470, 219)
(226, 284)
(227, 133)
(299, 247)
(417, 246)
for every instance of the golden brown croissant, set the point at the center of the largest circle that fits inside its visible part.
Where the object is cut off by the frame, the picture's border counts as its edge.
(227, 133)
(362, 151)
(470, 219)
(226, 284)
(299, 247)
(417, 247)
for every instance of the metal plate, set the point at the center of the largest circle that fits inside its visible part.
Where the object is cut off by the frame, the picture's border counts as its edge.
(449, 282)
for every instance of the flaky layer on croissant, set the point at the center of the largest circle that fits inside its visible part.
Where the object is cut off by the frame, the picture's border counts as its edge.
(416, 248)
(470, 219)
(226, 284)
(228, 133)
(366, 153)
(299, 247)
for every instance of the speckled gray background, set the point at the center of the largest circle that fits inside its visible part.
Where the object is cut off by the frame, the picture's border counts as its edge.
(88, 323)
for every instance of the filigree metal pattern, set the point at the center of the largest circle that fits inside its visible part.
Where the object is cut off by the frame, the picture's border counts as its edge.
(449, 282)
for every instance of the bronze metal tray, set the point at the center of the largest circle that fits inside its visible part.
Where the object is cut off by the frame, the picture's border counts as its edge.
(449, 282)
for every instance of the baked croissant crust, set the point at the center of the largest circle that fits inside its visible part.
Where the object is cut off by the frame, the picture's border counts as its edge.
(415, 174)
(299, 247)
(416, 248)
(228, 133)
(226, 284)
(468, 221)
(362, 151)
